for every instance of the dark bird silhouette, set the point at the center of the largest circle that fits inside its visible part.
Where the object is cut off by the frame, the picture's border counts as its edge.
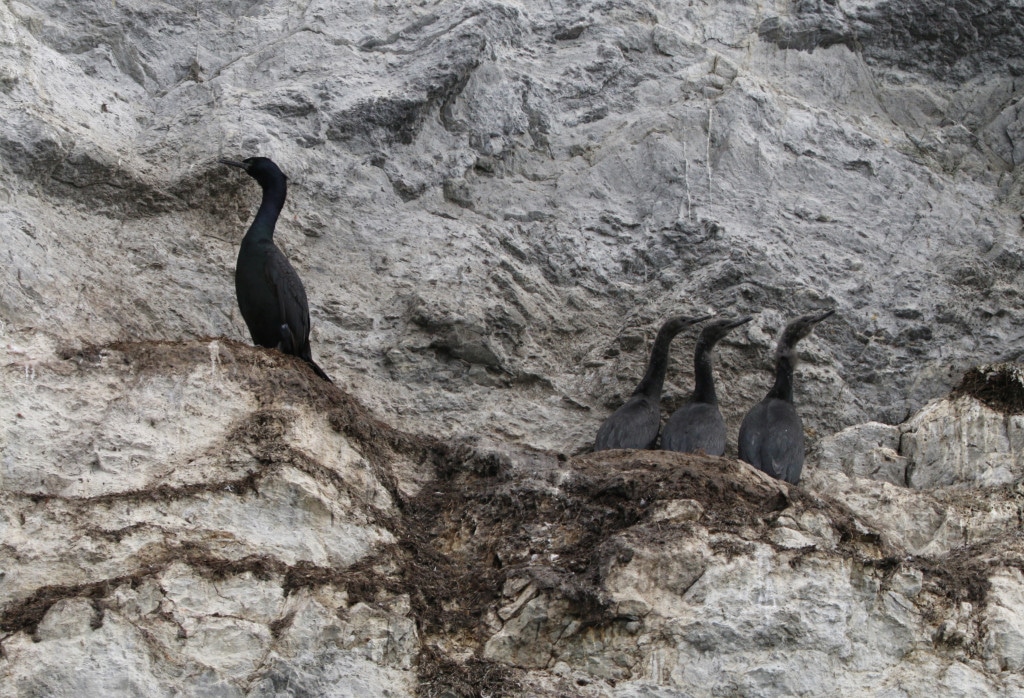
(772, 434)
(270, 293)
(698, 426)
(636, 423)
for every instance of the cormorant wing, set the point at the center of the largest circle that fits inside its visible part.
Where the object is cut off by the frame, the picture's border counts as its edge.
(634, 425)
(783, 448)
(693, 428)
(772, 439)
(291, 299)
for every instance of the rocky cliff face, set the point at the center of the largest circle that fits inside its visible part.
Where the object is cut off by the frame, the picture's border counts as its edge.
(211, 519)
(493, 205)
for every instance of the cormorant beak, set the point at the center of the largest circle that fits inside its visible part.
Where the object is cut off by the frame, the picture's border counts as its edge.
(739, 321)
(702, 319)
(234, 163)
(818, 318)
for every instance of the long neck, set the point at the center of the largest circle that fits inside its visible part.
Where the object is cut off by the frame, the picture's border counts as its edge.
(654, 379)
(262, 227)
(704, 379)
(783, 388)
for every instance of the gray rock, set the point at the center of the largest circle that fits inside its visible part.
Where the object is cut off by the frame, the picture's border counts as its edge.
(259, 556)
(1004, 639)
(68, 618)
(962, 441)
(869, 450)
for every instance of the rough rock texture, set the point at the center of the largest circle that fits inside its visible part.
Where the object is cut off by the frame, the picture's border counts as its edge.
(493, 205)
(261, 533)
(974, 437)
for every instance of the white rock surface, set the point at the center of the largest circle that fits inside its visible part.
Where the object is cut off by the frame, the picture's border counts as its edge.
(973, 438)
(870, 450)
(1004, 642)
(172, 553)
(297, 544)
(963, 441)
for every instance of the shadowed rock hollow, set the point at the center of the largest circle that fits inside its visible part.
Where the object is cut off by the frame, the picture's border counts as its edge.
(493, 206)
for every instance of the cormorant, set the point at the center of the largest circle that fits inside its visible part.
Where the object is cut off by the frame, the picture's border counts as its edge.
(772, 435)
(698, 426)
(636, 423)
(270, 293)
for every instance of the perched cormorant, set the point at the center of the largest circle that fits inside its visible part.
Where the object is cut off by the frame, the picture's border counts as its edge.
(636, 423)
(772, 435)
(697, 426)
(270, 293)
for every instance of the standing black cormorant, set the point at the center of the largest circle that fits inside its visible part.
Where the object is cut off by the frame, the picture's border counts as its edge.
(636, 423)
(697, 426)
(270, 293)
(772, 435)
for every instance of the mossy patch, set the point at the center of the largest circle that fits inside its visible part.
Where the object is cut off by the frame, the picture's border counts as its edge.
(999, 386)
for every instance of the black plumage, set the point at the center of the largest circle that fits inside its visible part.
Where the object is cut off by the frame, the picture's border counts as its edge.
(697, 426)
(270, 293)
(636, 423)
(772, 435)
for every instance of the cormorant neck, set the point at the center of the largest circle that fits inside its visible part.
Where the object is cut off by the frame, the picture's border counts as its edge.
(654, 379)
(783, 388)
(263, 224)
(704, 379)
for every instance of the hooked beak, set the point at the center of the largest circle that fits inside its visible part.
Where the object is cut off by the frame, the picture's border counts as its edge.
(818, 318)
(234, 163)
(739, 321)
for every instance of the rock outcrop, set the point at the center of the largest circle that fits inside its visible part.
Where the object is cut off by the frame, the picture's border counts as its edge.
(211, 518)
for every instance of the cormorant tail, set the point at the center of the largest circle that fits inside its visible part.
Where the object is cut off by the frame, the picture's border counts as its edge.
(317, 370)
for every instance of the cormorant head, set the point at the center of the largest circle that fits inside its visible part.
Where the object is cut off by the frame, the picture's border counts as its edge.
(677, 324)
(263, 170)
(713, 332)
(798, 329)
